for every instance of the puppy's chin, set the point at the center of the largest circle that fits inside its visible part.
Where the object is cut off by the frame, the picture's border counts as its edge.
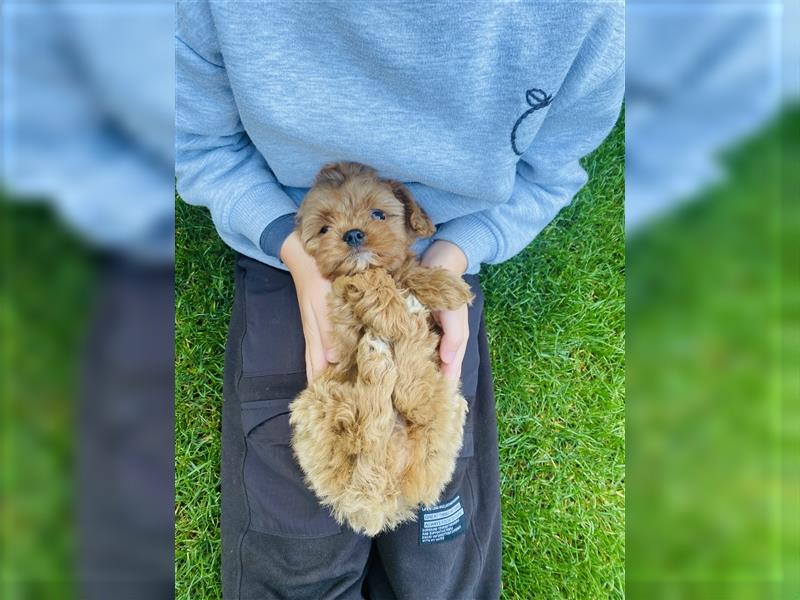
(356, 261)
(362, 261)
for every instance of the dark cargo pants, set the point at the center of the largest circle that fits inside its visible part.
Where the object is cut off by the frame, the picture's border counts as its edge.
(277, 541)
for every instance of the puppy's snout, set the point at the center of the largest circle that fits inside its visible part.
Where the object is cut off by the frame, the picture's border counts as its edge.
(354, 238)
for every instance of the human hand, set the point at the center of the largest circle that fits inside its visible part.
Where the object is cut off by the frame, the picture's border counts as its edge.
(454, 323)
(312, 291)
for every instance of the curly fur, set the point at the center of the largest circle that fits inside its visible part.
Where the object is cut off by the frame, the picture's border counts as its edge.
(378, 433)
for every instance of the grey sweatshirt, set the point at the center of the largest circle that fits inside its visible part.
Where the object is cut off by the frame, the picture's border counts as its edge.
(483, 109)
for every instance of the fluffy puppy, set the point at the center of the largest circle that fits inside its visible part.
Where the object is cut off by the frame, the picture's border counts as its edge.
(378, 433)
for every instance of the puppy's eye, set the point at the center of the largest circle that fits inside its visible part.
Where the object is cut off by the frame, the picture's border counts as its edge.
(325, 229)
(378, 215)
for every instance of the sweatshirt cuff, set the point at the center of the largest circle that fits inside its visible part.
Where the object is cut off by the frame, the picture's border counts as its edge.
(475, 237)
(275, 234)
(257, 209)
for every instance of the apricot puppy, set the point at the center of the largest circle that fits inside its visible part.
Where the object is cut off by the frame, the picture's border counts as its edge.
(378, 433)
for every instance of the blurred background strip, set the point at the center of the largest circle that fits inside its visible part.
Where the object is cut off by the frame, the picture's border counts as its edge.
(712, 190)
(86, 208)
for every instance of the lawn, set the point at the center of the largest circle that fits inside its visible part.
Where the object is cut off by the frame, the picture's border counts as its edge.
(46, 285)
(713, 302)
(555, 318)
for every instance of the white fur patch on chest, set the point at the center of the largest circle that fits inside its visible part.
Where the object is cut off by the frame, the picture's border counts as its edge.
(363, 260)
(379, 345)
(414, 305)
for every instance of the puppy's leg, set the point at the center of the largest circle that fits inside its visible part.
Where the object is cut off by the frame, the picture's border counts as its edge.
(361, 413)
(375, 301)
(436, 288)
(372, 502)
(341, 436)
(434, 413)
(318, 417)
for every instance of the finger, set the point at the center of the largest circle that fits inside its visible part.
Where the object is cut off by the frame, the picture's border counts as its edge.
(452, 335)
(452, 370)
(309, 369)
(325, 333)
(314, 349)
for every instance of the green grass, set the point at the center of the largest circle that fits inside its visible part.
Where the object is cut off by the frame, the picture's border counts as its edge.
(555, 318)
(203, 296)
(46, 283)
(712, 382)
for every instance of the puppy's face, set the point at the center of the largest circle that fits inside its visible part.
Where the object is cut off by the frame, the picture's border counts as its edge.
(352, 220)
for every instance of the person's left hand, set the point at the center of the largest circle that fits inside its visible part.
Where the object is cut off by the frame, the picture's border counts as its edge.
(453, 345)
(454, 323)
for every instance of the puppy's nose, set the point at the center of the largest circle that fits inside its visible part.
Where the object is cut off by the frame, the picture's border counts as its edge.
(354, 237)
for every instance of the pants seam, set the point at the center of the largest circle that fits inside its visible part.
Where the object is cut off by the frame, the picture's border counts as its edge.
(474, 535)
(246, 526)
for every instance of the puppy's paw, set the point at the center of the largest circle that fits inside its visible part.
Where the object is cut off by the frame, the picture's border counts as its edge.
(437, 288)
(414, 305)
(379, 279)
(354, 287)
(454, 292)
(351, 288)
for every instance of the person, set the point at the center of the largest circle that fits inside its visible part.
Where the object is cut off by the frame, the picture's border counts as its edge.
(484, 112)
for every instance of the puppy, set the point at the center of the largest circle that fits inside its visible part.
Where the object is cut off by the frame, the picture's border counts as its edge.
(378, 433)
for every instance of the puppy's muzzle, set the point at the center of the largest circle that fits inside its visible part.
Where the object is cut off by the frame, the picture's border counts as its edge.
(354, 238)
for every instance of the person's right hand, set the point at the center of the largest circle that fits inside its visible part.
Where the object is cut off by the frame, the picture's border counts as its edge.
(312, 291)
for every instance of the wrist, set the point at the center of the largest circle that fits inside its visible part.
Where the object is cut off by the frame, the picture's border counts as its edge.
(446, 255)
(301, 265)
(293, 255)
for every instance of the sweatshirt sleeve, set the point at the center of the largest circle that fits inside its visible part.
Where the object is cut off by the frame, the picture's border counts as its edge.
(216, 163)
(71, 127)
(548, 176)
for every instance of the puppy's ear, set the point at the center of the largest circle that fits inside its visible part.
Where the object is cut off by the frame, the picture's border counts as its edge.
(335, 174)
(417, 221)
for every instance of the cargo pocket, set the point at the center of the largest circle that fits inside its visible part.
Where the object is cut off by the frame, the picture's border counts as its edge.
(467, 446)
(463, 460)
(279, 501)
(273, 342)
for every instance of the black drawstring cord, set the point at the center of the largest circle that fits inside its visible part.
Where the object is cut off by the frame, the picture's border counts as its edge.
(537, 99)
